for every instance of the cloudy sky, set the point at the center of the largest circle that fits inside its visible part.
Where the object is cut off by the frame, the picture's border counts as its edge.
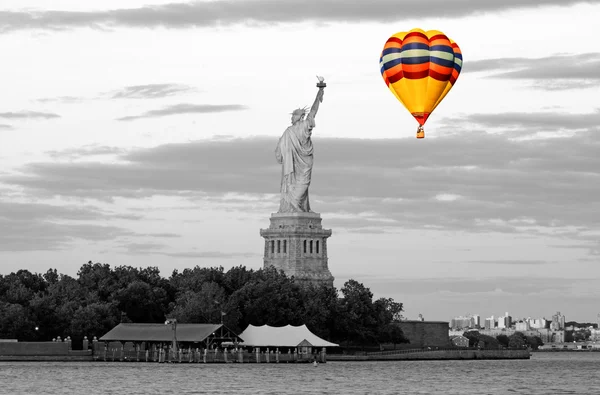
(142, 133)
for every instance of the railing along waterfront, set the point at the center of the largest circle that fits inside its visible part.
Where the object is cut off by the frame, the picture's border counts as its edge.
(204, 356)
(432, 349)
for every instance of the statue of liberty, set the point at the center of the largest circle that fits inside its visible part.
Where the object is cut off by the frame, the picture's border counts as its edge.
(295, 153)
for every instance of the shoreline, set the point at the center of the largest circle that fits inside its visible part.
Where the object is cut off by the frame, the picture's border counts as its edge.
(435, 355)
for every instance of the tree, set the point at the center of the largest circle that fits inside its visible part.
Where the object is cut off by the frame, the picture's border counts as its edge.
(389, 314)
(142, 302)
(320, 310)
(15, 322)
(503, 340)
(236, 277)
(269, 298)
(534, 342)
(517, 340)
(97, 278)
(204, 306)
(473, 337)
(358, 315)
(95, 319)
(192, 279)
(582, 335)
(388, 310)
(490, 342)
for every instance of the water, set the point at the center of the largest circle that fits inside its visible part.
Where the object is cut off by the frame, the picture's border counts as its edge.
(544, 373)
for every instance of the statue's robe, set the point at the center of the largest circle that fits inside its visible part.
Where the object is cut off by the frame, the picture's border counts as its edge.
(295, 152)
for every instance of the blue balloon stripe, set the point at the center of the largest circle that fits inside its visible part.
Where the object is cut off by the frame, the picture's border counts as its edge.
(388, 51)
(443, 48)
(416, 59)
(443, 62)
(409, 46)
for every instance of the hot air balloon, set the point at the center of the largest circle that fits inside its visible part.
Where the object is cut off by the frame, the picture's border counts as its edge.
(420, 67)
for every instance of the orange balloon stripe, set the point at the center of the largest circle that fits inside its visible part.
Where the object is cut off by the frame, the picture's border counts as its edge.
(453, 77)
(442, 70)
(394, 70)
(393, 44)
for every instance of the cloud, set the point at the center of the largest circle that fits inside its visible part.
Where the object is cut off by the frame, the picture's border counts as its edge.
(86, 152)
(556, 72)
(522, 295)
(211, 254)
(159, 249)
(230, 12)
(184, 108)
(511, 262)
(150, 91)
(31, 226)
(168, 235)
(28, 115)
(61, 99)
(5, 127)
(528, 122)
(475, 182)
(36, 226)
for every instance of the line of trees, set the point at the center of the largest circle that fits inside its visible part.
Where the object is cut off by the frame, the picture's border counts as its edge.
(516, 340)
(36, 307)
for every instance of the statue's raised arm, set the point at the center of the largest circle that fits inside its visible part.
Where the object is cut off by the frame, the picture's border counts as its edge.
(319, 99)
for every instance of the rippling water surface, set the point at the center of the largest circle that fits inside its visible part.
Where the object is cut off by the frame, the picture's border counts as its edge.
(544, 373)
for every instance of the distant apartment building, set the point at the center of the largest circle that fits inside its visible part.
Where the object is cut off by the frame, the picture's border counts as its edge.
(558, 322)
(457, 323)
(465, 322)
(551, 336)
(490, 323)
(538, 323)
(521, 326)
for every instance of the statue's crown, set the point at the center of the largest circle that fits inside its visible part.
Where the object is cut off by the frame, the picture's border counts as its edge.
(299, 111)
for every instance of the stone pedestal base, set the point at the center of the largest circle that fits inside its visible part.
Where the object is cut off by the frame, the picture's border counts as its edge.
(297, 244)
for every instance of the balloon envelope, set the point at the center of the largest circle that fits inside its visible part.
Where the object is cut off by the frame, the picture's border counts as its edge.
(420, 67)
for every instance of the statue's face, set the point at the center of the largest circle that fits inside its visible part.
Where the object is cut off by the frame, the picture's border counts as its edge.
(296, 118)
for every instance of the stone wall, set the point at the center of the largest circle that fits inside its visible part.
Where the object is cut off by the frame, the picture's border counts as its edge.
(426, 333)
(438, 355)
(34, 348)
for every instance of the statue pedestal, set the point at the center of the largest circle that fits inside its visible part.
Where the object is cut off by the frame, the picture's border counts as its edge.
(297, 244)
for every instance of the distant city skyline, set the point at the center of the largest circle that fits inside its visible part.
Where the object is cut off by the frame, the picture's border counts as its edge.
(142, 133)
(474, 320)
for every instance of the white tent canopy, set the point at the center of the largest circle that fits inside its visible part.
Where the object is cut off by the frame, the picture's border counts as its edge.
(284, 336)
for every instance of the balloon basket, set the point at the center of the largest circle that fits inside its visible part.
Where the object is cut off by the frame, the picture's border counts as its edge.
(420, 133)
